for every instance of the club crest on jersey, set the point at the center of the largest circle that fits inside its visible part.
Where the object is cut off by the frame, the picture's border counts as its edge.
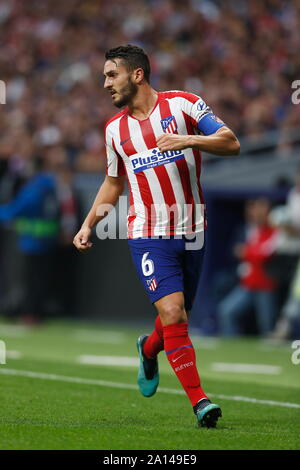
(152, 284)
(169, 125)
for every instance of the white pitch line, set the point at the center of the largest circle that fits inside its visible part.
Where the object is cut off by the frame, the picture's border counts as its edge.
(104, 383)
(13, 354)
(105, 337)
(14, 331)
(246, 368)
(108, 360)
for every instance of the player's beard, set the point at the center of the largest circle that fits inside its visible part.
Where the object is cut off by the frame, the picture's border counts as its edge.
(127, 93)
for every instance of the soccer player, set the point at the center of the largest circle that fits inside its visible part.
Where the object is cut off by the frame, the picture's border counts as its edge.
(155, 142)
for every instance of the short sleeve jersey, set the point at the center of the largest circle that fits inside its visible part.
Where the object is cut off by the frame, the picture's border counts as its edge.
(165, 192)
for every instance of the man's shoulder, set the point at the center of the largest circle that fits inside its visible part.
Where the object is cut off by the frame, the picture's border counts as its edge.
(191, 97)
(114, 118)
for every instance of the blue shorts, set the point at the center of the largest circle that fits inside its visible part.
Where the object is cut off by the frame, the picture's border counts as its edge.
(166, 266)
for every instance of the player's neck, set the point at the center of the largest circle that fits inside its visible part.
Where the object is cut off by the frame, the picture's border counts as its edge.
(143, 103)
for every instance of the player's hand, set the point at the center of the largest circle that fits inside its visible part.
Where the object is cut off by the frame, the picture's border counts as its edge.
(82, 239)
(173, 142)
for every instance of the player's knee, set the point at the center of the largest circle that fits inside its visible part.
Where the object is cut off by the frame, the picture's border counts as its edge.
(173, 313)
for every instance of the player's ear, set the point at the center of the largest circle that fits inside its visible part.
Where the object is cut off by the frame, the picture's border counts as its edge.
(138, 76)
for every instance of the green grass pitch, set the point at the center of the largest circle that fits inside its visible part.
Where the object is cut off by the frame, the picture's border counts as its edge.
(51, 400)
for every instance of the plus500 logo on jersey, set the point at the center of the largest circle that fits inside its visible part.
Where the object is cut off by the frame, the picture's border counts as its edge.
(153, 158)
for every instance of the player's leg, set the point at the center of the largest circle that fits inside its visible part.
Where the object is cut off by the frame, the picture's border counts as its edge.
(154, 342)
(182, 358)
(192, 261)
(156, 264)
(159, 264)
(178, 346)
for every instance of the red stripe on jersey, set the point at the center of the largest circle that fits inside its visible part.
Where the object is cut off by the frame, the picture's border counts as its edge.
(183, 169)
(125, 138)
(121, 167)
(116, 116)
(142, 181)
(131, 213)
(148, 134)
(181, 94)
(161, 172)
(192, 121)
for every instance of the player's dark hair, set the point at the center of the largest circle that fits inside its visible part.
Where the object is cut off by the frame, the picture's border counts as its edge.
(133, 57)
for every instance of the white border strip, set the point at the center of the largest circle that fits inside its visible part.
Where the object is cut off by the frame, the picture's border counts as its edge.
(105, 337)
(246, 368)
(14, 330)
(104, 383)
(117, 361)
(13, 354)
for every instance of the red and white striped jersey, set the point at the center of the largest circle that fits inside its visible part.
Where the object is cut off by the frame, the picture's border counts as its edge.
(165, 192)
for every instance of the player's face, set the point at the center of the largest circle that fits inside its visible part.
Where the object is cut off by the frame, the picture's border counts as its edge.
(118, 81)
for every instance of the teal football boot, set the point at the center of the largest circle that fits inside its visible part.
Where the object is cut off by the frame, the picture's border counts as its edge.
(207, 413)
(148, 376)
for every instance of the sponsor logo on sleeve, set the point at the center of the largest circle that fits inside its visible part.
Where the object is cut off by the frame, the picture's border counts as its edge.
(201, 106)
(202, 110)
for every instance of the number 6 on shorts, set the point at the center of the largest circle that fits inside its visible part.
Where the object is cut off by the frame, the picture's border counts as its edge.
(147, 265)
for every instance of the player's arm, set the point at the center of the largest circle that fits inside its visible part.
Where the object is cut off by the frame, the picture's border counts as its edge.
(223, 142)
(215, 138)
(108, 195)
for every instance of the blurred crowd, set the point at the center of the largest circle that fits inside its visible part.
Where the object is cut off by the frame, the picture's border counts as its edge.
(37, 226)
(241, 56)
(265, 279)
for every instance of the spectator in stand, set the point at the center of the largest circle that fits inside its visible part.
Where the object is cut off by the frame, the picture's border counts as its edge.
(256, 289)
(42, 211)
(288, 324)
(226, 279)
(13, 174)
(51, 59)
(240, 56)
(65, 259)
(287, 220)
